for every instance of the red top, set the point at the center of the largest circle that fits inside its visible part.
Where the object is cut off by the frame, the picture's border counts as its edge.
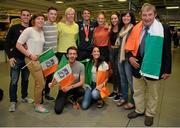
(101, 36)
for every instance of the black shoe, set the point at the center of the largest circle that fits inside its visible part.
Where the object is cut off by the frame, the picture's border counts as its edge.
(148, 121)
(112, 95)
(134, 114)
(117, 98)
(100, 103)
(49, 97)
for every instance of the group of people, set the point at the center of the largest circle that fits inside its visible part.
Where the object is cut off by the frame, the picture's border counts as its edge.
(138, 54)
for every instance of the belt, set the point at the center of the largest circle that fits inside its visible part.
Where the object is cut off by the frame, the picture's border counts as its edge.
(114, 46)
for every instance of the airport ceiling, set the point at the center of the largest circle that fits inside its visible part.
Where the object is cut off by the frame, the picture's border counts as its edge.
(13, 6)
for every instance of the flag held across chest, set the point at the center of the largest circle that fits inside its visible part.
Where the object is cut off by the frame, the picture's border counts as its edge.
(64, 75)
(48, 61)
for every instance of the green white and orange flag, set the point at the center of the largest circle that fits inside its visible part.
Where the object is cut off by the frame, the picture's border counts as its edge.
(48, 61)
(101, 76)
(64, 75)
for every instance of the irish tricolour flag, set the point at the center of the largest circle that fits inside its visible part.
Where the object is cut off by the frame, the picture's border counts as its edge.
(151, 63)
(64, 75)
(48, 61)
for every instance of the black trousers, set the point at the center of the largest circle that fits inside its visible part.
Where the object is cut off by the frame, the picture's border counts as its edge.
(61, 98)
(105, 52)
(48, 80)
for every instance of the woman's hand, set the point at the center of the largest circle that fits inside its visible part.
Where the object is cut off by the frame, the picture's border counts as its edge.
(99, 87)
(33, 57)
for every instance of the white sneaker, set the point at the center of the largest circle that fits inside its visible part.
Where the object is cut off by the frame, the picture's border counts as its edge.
(27, 100)
(12, 107)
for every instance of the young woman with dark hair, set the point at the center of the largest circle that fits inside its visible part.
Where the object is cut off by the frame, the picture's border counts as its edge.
(93, 90)
(113, 55)
(127, 22)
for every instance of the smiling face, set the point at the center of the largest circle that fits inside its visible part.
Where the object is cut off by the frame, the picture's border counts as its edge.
(25, 17)
(148, 14)
(86, 15)
(101, 19)
(72, 55)
(126, 19)
(70, 14)
(96, 53)
(148, 17)
(39, 21)
(52, 16)
(114, 19)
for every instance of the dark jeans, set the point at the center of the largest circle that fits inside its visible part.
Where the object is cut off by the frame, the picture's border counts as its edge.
(62, 98)
(14, 74)
(114, 64)
(126, 80)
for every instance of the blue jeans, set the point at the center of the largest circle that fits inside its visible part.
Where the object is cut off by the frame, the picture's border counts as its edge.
(14, 74)
(114, 64)
(90, 94)
(126, 79)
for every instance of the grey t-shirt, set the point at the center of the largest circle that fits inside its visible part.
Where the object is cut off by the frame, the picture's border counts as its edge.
(77, 70)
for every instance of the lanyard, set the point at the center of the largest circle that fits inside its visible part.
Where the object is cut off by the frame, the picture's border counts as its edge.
(86, 31)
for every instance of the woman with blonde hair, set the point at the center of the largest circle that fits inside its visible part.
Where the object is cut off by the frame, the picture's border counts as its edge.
(67, 32)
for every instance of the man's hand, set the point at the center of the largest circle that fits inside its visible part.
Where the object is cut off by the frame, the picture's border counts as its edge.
(50, 85)
(12, 62)
(165, 76)
(134, 62)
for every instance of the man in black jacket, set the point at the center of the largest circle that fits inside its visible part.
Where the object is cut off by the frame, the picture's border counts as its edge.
(16, 61)
(147, 85)
(85, 39)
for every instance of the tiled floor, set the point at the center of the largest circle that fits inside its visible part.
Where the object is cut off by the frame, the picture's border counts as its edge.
(109, 116)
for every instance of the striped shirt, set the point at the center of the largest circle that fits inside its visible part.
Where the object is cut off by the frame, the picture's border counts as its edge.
(50, 35)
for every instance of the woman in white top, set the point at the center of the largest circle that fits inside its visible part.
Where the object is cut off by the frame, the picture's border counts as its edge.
(30, 43)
